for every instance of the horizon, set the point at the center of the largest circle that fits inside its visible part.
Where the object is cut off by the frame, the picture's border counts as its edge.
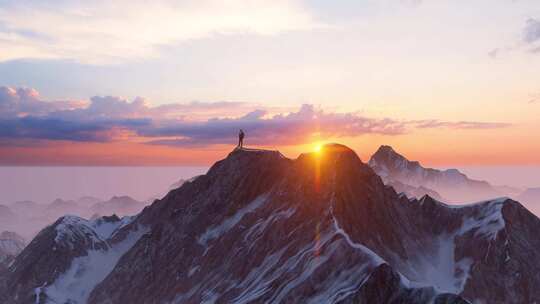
(139, 182)
(71, 182)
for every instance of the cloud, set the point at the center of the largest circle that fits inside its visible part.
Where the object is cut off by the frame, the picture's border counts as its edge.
(494, 53)
(281, 129)
(425, 124)
(56, 129)
(531, 32)
(24, 115)
(114, 107)
(534, 97)
(25, 101)
(535, 50)
(106, 32)
(530, 37)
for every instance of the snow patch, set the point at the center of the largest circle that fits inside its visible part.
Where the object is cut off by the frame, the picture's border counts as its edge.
(38, 291)
(193, 270)
(375, 258)
(73, 228)
(487, 224)
(216, 231)
(439, 267)
(255, 231)
(75, 285)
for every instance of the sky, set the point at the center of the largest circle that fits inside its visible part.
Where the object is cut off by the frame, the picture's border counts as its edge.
(139, 83)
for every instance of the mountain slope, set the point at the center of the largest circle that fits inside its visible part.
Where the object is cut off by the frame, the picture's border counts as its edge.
(259, 227)
(323, 228)
(450, 184)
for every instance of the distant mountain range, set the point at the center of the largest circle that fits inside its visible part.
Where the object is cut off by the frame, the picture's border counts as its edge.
(120, 205)
(27, 217)
(411, 178)
(262, 228)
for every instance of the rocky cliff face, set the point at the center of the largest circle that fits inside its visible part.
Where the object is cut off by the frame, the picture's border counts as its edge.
(259, 227)
(450, 185)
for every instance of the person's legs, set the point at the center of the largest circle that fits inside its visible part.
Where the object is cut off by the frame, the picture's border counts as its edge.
(241, 143)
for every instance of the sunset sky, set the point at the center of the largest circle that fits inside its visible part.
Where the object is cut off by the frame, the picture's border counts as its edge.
(171, 82)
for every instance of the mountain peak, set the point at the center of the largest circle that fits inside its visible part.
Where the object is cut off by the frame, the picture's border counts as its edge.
(335, 148)
(385, 149)
(386, 152)
(240, 151)
(331, 151)
(386, 160)
(242, 158)
(450, 184)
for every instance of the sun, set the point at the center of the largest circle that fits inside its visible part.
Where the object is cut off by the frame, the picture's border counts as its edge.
(317, 147)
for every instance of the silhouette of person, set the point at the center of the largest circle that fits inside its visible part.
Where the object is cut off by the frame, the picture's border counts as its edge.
(241, 138)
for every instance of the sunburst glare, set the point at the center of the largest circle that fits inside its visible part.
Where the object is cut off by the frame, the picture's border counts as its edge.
(317, 147)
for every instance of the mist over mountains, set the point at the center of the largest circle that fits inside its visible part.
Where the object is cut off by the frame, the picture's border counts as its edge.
(27, 218)
(322, 228)
(450, 185)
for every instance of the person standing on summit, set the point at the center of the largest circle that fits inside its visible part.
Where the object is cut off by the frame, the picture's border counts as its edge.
(241, 139)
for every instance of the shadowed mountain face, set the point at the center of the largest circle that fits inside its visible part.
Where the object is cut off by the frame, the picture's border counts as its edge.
(259, 227)
(414, 180)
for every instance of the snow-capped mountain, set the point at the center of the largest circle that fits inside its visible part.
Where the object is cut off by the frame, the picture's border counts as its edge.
(450, 184)
(11, 244)
(68, 258)
(261, 228)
